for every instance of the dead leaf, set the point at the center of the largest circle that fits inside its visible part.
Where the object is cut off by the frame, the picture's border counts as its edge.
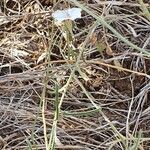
(43, 55)
(109, 51)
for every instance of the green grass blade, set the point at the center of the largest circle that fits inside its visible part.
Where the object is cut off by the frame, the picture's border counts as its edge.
(51, 145)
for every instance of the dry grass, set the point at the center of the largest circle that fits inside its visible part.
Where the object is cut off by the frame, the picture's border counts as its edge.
(93, 97)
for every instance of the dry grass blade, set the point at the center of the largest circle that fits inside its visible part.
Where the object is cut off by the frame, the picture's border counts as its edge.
(144, 9)
(101, 20)
(76, 85)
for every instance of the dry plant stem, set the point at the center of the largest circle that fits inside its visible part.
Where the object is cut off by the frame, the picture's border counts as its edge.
(43, 113)
(91, 98)
(101, 20)
(46, 79)
(119, 68)
(128, 116)
(117, 3)
(104, 64)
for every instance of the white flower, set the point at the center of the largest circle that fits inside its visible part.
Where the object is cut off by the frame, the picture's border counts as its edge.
(71, 14)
